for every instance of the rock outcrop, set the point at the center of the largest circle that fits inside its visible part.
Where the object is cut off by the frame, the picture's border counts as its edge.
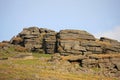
(65, 42)
(77, 42)
(33, 38)
(113, 46)
(75, 46)
(107, 64)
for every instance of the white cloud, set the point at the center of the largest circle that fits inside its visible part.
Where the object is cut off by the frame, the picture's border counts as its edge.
(113, 33)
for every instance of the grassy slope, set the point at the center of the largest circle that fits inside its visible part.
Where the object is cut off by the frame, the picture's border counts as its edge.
(36, 69)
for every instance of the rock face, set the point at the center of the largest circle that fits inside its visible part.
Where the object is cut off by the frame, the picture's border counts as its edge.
(33, 38)
(65, 42)
(49, 42)
(77, 42)
(75, 35)
(114, 45)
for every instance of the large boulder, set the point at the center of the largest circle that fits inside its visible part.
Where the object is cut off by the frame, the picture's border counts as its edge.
(75, 35)
(77, 42)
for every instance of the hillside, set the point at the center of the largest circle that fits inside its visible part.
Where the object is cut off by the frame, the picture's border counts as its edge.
(43, 54)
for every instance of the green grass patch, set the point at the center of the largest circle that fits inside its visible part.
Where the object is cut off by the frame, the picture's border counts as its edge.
(96, 69)
(38, 55)
(27, 62)
(6, 55)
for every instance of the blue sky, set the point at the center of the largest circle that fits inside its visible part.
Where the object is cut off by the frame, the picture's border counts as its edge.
(99, 17)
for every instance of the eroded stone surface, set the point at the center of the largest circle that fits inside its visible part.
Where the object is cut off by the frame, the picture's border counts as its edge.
(77, 42)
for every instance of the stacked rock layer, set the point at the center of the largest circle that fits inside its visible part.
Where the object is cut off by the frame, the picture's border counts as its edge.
(64, 42)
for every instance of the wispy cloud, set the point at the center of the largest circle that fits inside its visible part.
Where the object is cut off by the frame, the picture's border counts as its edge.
(113, 33)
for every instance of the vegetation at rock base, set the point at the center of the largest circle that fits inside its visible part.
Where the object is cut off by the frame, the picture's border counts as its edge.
(37, 69)
(40, 68)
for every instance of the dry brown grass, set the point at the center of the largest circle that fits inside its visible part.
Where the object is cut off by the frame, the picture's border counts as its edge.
(60, 49)
(65, 57)
(103, 43)
(3, 44)
(36, 69)
(72, 57)
(116, 55)
(18, 39)
(20, 49)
